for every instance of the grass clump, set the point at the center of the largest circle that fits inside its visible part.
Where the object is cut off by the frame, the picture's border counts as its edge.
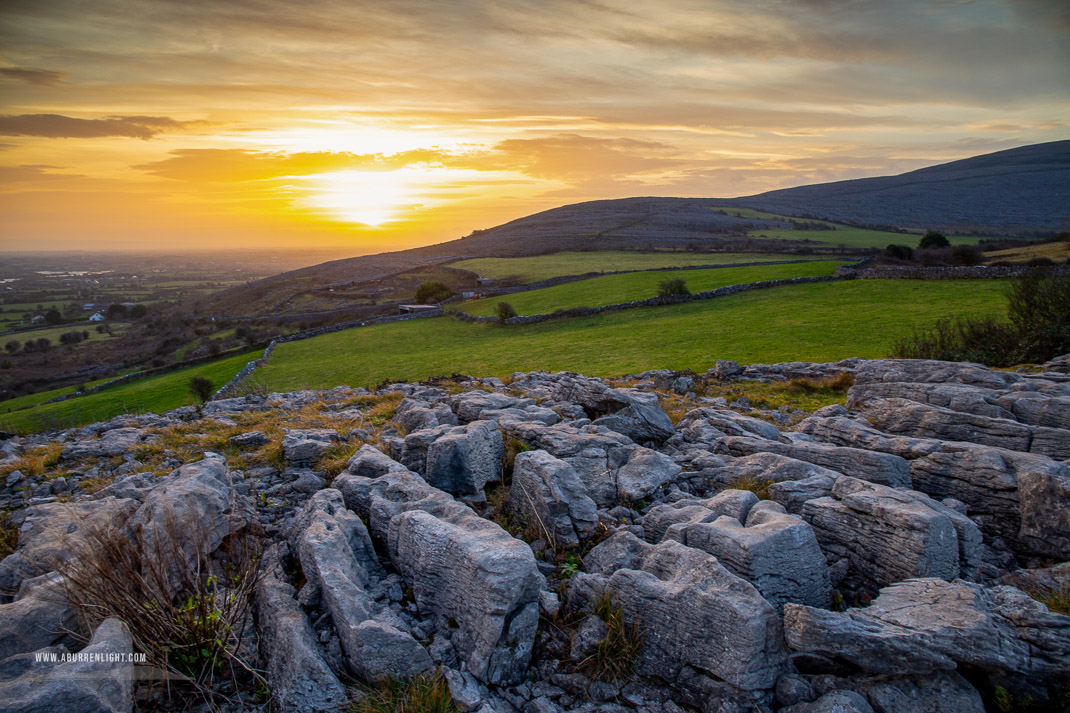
(9, 535)
(758, 486)
(613, 659)
(804, 394)
(335, 459)
(425, 693)
(36, 461)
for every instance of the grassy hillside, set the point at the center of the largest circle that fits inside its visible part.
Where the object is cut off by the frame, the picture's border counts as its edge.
(1057, 252)
(156, 393)
(542, 267)
(855, 237)
(610, 289)
(803, 322)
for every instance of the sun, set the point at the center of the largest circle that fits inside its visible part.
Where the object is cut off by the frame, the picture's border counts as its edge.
(369, 198)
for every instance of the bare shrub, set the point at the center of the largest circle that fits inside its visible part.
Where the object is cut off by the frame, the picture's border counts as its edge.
(187, 608)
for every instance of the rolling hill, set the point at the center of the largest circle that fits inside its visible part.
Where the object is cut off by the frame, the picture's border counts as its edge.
(1026, 188)
(1008, 191)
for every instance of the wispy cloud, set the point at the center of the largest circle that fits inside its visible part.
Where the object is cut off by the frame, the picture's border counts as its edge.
(56, 126)
(40, 77)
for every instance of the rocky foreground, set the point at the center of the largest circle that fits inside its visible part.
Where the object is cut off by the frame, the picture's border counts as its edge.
(894, 554)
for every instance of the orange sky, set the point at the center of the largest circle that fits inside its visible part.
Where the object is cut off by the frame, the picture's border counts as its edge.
(370, 126)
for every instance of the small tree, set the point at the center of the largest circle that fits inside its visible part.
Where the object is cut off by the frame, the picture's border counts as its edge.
(504, 311)
(432, 291)
(673, 287)
(12, 346)
(201, 387)
(899, 252)
(44, 344)
(932, 240)
(53, 316)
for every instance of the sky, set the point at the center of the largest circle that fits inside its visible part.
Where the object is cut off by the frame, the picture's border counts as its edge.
(366, 126)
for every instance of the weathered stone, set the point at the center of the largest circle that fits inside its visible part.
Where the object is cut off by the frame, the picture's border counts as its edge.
(250, 439)
(931, 371)
(370, 462)
(113, 443)
(904, 417)
(337, 559)
(941, 692)
(548, 491)
(890, 535)
(882, 468)
(987, 480)
(598, 456)
(641, 418)
(190, 515)
(39, 617)
(794, 494)
(694, 612)
(833, 702)
(733, 503)
(301, 681)
(478, 581)
(707, 424)
(481, 584)
(99, 682)
(302, 447)
(50, 533)
(926, 625)
(775, 551)
(470, 405)
(843, 431)
(465, 459)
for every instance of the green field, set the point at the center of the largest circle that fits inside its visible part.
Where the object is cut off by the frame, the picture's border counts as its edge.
(543, 267)
(813, 322)
(611, 289)
(30, 400)
(156, 394)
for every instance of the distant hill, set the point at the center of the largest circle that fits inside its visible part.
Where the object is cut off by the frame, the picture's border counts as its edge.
(1026, 188)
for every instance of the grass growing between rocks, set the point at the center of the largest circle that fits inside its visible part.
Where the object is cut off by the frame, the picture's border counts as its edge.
(613, 658)
(611, 289)
(425, 693)
(812, 322)
(9, 535)
(803, 394)
(758, 486)
(34, 462)
(153, 394)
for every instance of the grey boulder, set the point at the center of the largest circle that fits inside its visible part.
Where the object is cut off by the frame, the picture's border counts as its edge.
(95, 684)
(548, 492)
(926, 625)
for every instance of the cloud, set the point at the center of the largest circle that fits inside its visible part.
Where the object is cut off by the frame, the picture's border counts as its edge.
(41, 77)
(34, 174)
(241, 165)
(57, 126)
(571, 157)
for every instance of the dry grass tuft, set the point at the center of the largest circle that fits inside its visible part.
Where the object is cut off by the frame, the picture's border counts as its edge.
(9, 536)
(613, 659)
(35, 462)
(758, 486)
(426, 693)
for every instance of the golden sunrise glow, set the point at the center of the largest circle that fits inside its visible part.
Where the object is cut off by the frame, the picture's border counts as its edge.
(370, 125)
